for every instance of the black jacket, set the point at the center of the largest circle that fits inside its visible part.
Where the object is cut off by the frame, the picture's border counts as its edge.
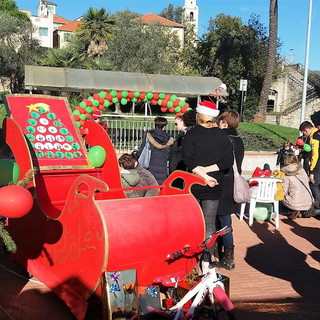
(226, 203)
(203, 147)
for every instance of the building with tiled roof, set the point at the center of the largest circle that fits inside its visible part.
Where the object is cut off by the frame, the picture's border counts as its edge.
(174, 26)
(62, 35)
(46, 22)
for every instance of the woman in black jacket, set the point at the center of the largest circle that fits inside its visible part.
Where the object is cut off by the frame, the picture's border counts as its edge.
(203, 145)
(229, 121)
(160, 143)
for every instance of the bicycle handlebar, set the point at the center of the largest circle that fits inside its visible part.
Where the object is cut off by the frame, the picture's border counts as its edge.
(207, 243)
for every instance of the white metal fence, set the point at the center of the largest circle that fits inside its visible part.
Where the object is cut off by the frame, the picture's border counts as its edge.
(126, 132)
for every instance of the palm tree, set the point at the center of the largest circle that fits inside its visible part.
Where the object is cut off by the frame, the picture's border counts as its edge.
(96, 29)
(63, 58)
(272, 48)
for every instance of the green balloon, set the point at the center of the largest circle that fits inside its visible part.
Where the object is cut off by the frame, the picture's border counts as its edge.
(89, 109)
(159, 102)
(182, 103)
(173, 98)
(115, 100)
(149, 95)
(123, 101)
(82, 104)
(307, 147)
(177, 109)
(106, 103)
(10, 172)
(102, 94)
(162, 96)
(134, 99)
(137, 94)
(76, 112)
(95, 103)
(170, 104)
(124, 94)
(83, 117)
(189, 109)
(78, 124)
(113, 93)
(90, 98)
(97, 156)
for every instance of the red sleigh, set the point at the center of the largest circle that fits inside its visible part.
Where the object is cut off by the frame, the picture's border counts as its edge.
(81, 223)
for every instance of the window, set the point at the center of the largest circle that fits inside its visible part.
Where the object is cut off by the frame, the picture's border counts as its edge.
(270, 106)
(67, 36)
(43, 31)
(191, 16)
(50, 8)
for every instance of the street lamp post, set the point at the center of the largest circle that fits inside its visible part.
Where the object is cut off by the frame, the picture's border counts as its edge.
(306, 66)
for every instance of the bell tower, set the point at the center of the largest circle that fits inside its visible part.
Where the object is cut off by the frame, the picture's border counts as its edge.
(191, 12)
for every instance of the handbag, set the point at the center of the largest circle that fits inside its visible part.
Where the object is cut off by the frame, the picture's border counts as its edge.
(241, 190)
(144, 159)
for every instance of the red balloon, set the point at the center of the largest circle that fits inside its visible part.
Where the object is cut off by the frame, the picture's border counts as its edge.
(109, 97)
(176, 103)
(300, 142)
(76, 117)
(89, 103)
(101, 101)
(82, 122)
(154, 102)
(156, 96)
(15, 201)
(119, 95)
(82, 110)
(130, 95)
(184, 108)
(164, 109)
(96, 96)
(77, 108)
(94, 109)
(178, 114)
(142, 95)
(101, 107)
(171, 109)
(164, 103)
(88, 115)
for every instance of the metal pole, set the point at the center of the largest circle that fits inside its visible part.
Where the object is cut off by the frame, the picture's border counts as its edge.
(306, 66)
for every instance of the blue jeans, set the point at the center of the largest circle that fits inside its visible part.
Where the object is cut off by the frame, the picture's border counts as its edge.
(225, 220)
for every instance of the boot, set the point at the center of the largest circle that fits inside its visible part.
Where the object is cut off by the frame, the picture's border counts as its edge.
(227, 261)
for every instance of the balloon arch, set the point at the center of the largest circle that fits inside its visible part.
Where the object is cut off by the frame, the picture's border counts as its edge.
(102, 100)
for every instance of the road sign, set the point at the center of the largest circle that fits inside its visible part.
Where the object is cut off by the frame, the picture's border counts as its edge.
(243, 85)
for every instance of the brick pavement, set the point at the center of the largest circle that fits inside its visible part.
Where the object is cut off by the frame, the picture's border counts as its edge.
(277, 276)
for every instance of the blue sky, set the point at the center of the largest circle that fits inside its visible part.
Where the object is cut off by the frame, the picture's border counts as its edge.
(293, 18)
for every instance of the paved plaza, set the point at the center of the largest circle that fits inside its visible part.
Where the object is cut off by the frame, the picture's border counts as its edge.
(277, 276)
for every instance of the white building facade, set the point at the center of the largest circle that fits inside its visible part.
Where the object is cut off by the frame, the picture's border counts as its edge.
(191, 12)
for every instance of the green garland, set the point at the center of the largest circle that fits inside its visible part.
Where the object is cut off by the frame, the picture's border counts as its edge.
(8, 241)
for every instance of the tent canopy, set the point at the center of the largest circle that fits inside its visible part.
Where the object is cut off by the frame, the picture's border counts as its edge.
(82, 80)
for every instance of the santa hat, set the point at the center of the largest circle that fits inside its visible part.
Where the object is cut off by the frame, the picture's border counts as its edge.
(95, 115)
(208, 108)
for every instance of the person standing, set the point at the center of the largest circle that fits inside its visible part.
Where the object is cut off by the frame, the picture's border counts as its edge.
(183, 124)
(229, 121)
(160, 142)
(313, 134)
(175, 162)
(204, 145)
